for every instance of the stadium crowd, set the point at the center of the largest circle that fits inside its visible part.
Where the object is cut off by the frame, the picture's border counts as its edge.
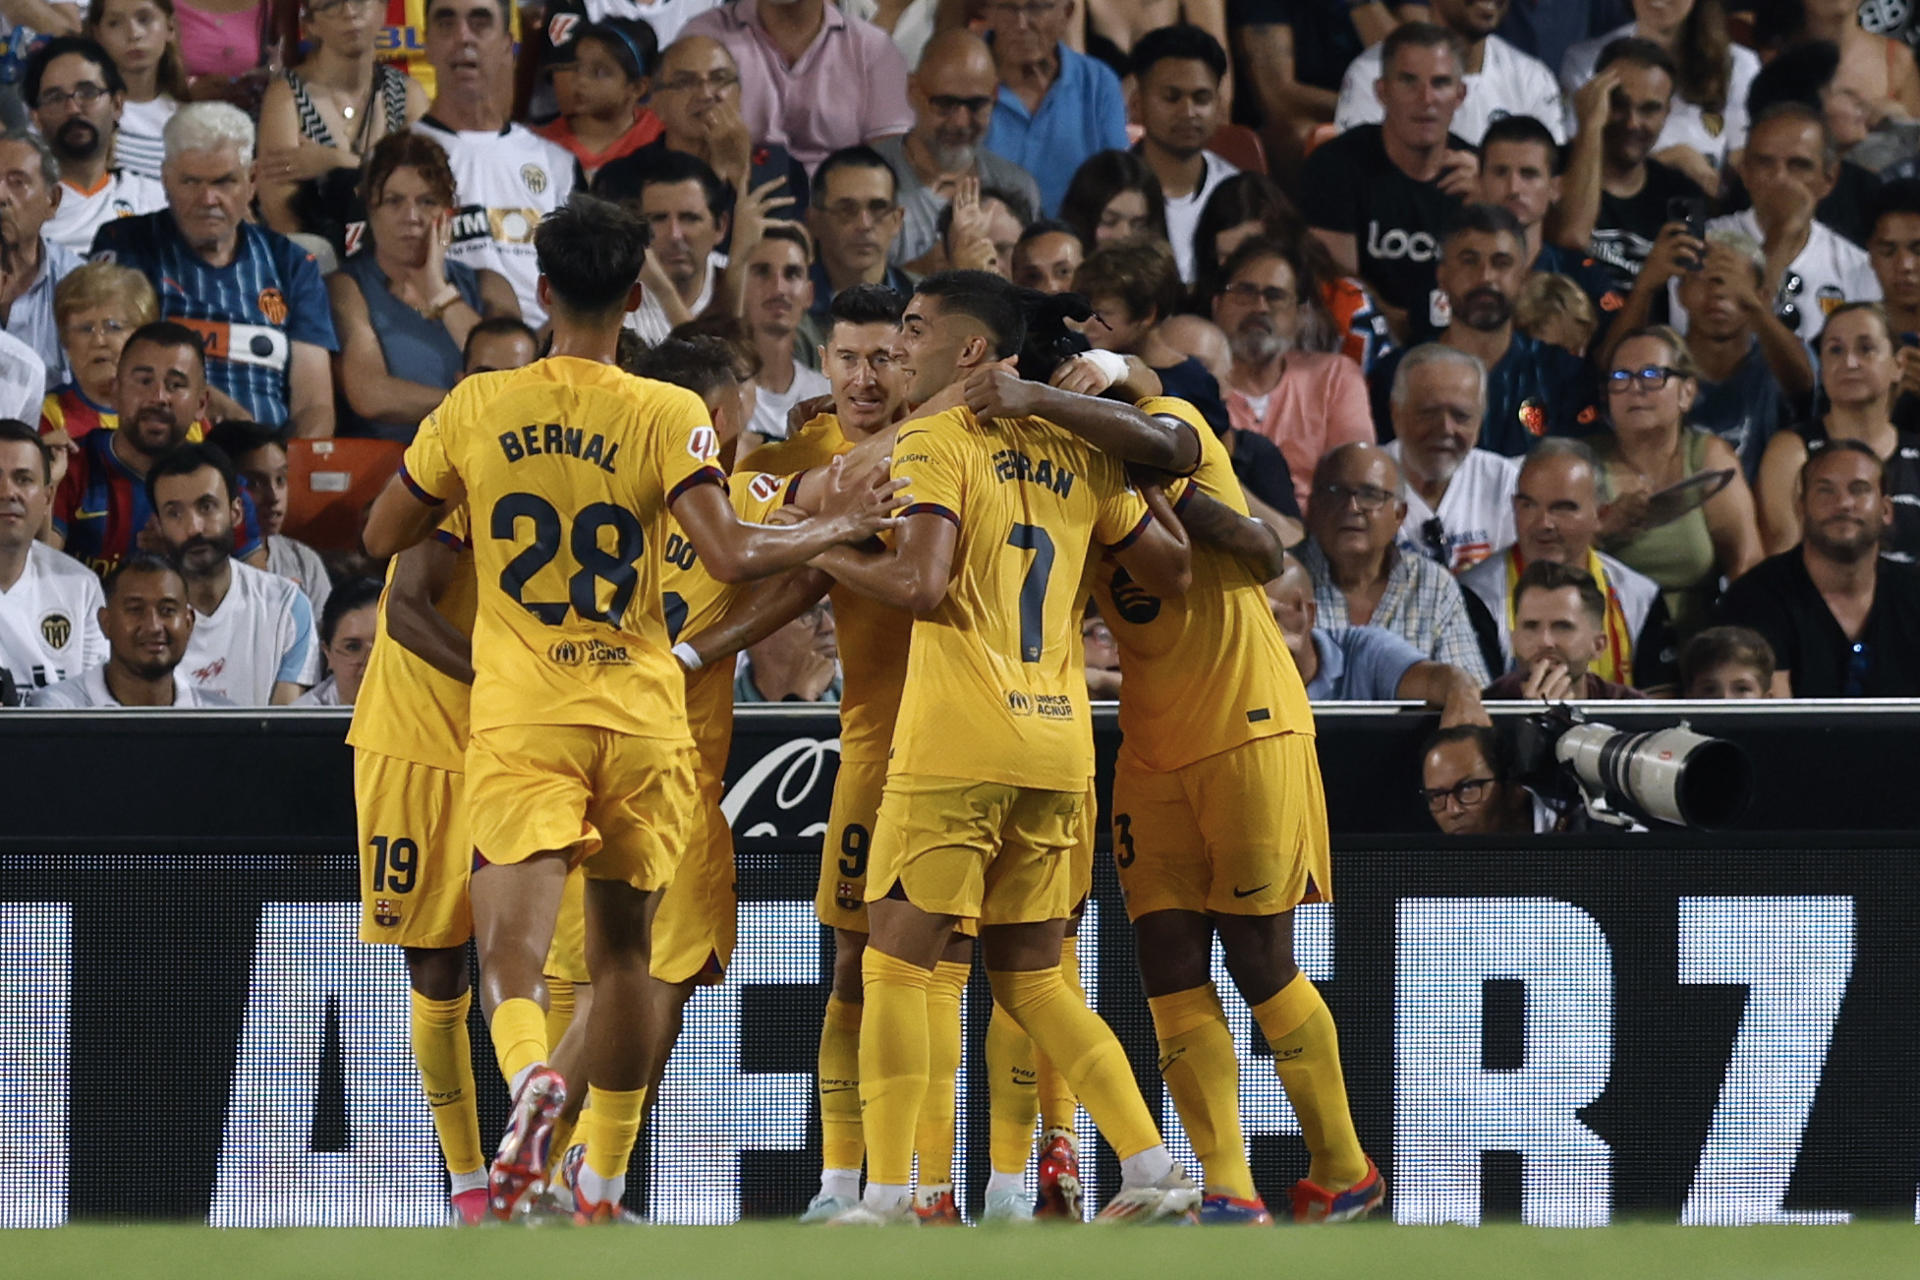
(1632, 289)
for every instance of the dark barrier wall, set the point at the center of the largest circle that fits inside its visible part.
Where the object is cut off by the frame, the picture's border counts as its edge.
(1709, 1029)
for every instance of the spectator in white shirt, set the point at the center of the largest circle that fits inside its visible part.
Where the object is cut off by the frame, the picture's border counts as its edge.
(349, 626)
(77, 94)
(685, 205)
(1179, 70)
(48, 601)
(148, 624)
(1459, 498)
(253, 637)
(259, 455)
(1501, 80)
(776, 294)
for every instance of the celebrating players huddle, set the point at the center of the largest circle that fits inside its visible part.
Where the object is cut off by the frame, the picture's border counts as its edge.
(538, 760)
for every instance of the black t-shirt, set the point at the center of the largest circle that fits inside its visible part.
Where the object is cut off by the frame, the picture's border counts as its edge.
(1349, 185)
(1262, 471)
(1778, 599)
(1624, 233)
(1903, 486)
(1324, 39)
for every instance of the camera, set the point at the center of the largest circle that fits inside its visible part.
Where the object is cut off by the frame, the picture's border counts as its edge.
(1672, 776)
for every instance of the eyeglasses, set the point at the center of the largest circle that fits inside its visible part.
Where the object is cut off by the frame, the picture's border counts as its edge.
(318, 7)
(1369, 498)
(95, 329)
(850, 210)
(714, 80)
(945, 104)
(1269, 296)
(1651, 378)
(84, 94)
(1467, 792)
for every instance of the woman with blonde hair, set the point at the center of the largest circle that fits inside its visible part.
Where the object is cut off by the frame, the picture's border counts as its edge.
(1659, 525)
(96, 308)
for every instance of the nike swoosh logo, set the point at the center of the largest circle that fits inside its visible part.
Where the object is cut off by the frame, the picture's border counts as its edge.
(842, 1089)
(1248, 893)
(89, 515)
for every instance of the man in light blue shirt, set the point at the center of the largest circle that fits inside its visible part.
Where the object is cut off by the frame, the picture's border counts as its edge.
(29, 192)
(1055, 107)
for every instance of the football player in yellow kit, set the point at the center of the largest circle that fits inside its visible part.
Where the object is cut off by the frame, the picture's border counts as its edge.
(1219, 814)
(579, 752)
(982, 822)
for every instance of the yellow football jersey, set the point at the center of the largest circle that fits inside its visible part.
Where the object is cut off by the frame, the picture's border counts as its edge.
(569, 467)
(872, 637)
(693, 600)
(408, 708)
(996, 689)
(1205, 673)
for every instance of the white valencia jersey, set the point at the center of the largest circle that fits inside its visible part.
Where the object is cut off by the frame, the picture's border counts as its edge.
(262, 634)
(89, 691)
(506, 182)
(1475, 516)
(121, 194)
(1509, 83)
(1829, 270)
(50, 621)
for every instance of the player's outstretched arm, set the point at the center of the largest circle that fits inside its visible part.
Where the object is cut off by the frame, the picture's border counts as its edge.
(758, 612)
(853, 507)
(1118, 430)
(1446, 687)
(403, 515)
(913, 574)
(1254, 543)
(1159, 557)
(420, 577)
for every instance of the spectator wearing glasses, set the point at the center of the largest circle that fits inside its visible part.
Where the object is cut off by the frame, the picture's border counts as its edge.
(1842, 621)
(1055, 107)
(1684, 544)
(1362, 578)
(952, 92)
(1727, 662)
(98, 307)
(1459, 497)
(855, 219)
(1559, 632)
(77, 96)
(148, 624)
(1467, 784)
(812, 78)
(1306, 402)
(1533, 387)
(349, 626)
(30, 191)
(1789, 165)
(1180, 71)
(798, 663)
(1860, 373)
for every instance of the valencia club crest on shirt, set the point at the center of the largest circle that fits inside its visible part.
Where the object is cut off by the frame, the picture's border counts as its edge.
(273, 305)
(1533, 416)
(535, 177)
(56, 629)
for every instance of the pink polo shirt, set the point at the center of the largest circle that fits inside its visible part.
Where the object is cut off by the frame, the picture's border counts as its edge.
(1319, 402)
(850, 84)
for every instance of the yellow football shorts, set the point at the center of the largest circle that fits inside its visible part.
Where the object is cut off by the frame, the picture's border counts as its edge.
(841, 899)
(698, 920)
(1080, 885)
(414, 853)
(567, 953)
(1240, 833)
(986, 850)
(617, 804)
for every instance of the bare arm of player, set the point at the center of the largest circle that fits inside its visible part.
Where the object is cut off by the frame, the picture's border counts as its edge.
(913, 574)
(400, 517)
(874, 450)
(1253, 542)
(1160, 558)
(758, 612)
(420, 577)
(1118, 430)
(1447, 687)
(853, 507)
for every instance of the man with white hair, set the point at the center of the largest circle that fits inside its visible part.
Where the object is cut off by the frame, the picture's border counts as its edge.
(507, 178)
(1459, 498)
(255, 298)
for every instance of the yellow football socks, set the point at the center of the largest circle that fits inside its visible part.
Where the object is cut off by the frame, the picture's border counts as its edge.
(1058, 1107)
(1203, 1075)
(841, 1143)
(612, 1122)
(445, 1056)
(1084, 1048)
(559, 1008)
(893, 1064)
(519, 1030)
(1306, 1053)
(933, 1132)
(1011, 1100)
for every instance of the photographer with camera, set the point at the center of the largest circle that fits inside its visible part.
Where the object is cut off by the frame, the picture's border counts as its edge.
(1559, 630)
(1468, 781)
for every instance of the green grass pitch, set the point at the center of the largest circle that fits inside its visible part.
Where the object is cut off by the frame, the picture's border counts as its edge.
(775, 1251)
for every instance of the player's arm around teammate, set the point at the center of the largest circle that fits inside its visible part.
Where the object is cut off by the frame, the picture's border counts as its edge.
(421, 576)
